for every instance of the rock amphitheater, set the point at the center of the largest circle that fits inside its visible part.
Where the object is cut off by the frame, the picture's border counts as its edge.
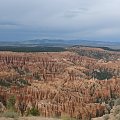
(74, 83)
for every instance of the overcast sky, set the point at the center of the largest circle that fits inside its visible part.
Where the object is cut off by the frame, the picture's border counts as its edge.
(60, 19)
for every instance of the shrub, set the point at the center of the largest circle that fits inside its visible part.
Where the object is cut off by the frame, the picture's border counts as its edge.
(11, 103)
(102, 75)
(117, 110)
(117, 102)
(65, 118)
(10, 114)
(5, 83)
(34, 111)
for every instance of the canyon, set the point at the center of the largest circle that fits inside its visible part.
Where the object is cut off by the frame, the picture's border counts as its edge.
(80, 83)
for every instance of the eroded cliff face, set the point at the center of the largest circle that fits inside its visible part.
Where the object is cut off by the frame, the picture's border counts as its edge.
(60, 84)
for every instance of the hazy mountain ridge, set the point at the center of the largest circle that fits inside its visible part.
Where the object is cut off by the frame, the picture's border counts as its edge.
(61, 43)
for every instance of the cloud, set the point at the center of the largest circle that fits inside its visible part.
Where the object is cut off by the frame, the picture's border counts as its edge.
(75, 12)
(7, 23)
(78, 19)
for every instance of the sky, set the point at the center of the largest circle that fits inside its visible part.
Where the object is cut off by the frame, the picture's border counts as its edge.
(60, 19)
